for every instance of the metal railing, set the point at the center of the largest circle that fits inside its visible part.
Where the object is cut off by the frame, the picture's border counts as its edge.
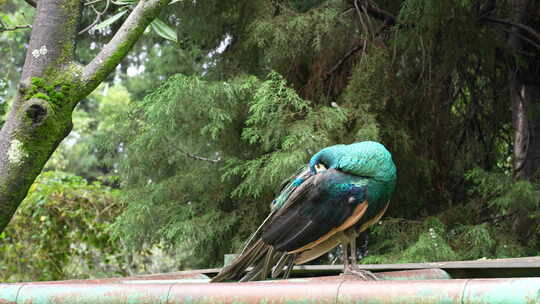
(415, 283)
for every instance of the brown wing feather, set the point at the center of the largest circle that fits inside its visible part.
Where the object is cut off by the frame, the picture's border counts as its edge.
(322, 248)
(359, 211)
(372, 221)
(334, 240)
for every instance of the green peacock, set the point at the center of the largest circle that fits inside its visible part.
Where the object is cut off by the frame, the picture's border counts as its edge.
(343, 191)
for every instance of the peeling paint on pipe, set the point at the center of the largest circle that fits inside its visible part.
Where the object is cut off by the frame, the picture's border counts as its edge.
(9, 292)
(470, 291)
(406, 275)
(417, 274)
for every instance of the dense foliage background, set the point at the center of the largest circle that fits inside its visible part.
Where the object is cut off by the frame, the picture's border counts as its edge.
(174, 162)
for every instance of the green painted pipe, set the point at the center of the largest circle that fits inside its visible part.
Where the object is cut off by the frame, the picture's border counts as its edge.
(470, 291)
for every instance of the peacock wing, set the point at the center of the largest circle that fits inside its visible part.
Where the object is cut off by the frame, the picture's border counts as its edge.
(321, 204)
(294, 186)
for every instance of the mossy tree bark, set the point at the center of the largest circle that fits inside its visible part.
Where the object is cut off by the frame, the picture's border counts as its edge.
(52, 83)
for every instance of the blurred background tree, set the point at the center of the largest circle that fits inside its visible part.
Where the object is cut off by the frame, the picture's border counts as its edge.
(190, 140)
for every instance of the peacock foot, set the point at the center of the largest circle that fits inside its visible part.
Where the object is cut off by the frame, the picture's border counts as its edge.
(362, 274)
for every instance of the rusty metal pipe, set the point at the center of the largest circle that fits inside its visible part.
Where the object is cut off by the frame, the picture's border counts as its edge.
(470, 291)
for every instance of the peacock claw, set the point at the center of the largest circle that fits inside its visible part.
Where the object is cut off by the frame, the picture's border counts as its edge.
(363, 274)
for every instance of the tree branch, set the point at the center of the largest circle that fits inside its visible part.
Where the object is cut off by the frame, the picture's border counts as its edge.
(343, 59)
(381, 14)
(524, 27)
(524, 38)
(496, 218)
(200, 157)
(32, 3)
(373, 11)
(98, 16)
(14, 28)
(114, 51)
(488, 9)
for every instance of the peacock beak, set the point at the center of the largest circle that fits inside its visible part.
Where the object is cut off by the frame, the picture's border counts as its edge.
(320, 168)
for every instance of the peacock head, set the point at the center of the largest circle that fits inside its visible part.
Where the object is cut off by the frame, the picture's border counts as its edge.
(367, 158)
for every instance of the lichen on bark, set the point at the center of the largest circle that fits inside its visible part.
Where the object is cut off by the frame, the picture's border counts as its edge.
(16, 152)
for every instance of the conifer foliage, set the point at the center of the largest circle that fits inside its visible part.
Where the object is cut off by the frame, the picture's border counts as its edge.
(206, 152)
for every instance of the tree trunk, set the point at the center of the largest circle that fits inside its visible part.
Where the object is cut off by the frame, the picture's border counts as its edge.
(524, 95)
(52, 83)
(41, 114)
(526, 120)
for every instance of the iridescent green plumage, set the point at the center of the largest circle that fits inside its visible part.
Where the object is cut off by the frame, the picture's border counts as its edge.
(319, 209)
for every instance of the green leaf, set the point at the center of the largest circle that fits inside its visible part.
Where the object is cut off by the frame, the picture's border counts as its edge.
(111, 20)
(163, 30)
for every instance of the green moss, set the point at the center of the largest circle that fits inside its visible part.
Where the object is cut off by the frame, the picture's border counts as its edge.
(41, 96)
(113, 60)
(54, 93)
(39, 82)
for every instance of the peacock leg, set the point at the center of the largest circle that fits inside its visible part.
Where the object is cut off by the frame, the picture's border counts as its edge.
(353, 267)
(363, 239)
(345, 257)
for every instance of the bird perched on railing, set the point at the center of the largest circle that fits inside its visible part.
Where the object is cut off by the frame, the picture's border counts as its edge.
(344, 190)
